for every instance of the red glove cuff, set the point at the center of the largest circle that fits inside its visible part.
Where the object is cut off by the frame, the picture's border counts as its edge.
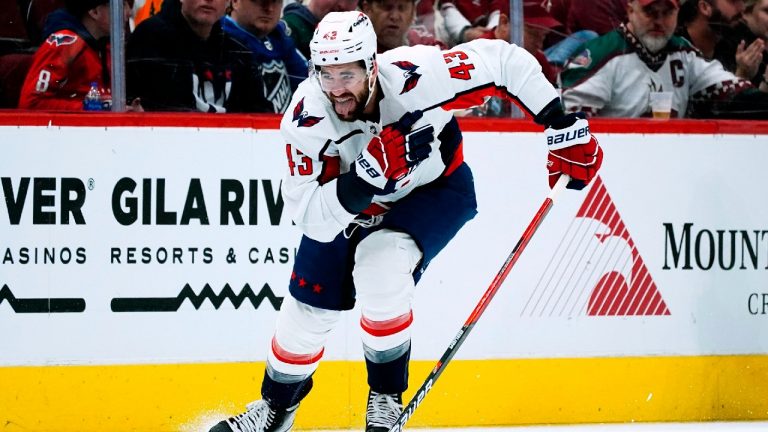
(581, 162)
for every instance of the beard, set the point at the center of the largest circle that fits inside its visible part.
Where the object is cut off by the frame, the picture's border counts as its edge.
(349, 107)
(653, 44)
(718, 22)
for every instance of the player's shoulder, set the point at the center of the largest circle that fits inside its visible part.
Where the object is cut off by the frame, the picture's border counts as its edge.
(402, 60)
(411, 72)
(62, 46)
(308, 112)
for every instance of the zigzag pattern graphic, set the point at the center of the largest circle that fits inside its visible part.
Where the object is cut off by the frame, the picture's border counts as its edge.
(172, 304)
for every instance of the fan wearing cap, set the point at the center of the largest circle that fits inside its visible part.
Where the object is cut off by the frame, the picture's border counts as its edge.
(74, 54)
(376, 181)
(615, 74)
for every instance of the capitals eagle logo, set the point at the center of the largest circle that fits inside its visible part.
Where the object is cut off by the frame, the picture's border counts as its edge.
(304, 119)
(59, 39)
(410, 74)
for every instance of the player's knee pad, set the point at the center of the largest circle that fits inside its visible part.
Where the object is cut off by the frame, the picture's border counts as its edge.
(384, 284)
(300, 335)
(383, 274)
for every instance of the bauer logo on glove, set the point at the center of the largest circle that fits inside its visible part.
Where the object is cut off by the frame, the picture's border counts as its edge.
(573, 150)
(371, 171)
(570, 136)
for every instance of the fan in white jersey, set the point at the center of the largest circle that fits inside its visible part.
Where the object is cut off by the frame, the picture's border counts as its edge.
(614, 74)
(377, 183)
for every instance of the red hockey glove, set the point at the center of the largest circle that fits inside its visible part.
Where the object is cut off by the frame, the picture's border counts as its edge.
(388, 157)
(572, 151)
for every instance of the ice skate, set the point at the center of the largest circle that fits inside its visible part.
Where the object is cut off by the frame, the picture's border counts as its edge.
(383, 411)
(259, 417)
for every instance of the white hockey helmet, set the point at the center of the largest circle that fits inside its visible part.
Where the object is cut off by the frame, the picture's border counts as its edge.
(344, 37)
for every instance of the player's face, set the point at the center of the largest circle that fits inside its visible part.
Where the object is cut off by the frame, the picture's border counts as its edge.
(757, 19)
(257, 16)
(346, 85)
(391, 20)
(653, 24)
(203, 12)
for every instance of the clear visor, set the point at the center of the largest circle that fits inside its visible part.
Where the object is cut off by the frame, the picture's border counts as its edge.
(347, 79)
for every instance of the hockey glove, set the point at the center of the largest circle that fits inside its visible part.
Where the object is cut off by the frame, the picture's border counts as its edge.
(389, 157)
(572, 151)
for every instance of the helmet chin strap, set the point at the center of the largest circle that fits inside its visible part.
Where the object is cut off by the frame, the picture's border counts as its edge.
(371, 84)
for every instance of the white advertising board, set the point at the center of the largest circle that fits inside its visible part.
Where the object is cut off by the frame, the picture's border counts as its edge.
(126, 245)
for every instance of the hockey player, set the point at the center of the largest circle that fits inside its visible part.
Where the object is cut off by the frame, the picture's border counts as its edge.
(377, 183)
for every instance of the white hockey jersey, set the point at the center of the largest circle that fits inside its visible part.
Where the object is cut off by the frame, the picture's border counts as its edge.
(614, 75)
(319, 146)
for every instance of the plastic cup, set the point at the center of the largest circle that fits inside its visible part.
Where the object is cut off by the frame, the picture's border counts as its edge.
(661, 104)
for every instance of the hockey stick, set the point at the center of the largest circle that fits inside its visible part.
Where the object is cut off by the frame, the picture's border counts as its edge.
(481, 306)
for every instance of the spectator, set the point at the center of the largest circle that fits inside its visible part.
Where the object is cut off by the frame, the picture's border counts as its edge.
(302, 19)
(584, 20)
(256, 25)
(392, 20)
(466, 20)
(181, 60)
(615, 73)
(748, 41)
(702, 22)
(423, 31)
(562, 42)
(75, 54)
(491, 21)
